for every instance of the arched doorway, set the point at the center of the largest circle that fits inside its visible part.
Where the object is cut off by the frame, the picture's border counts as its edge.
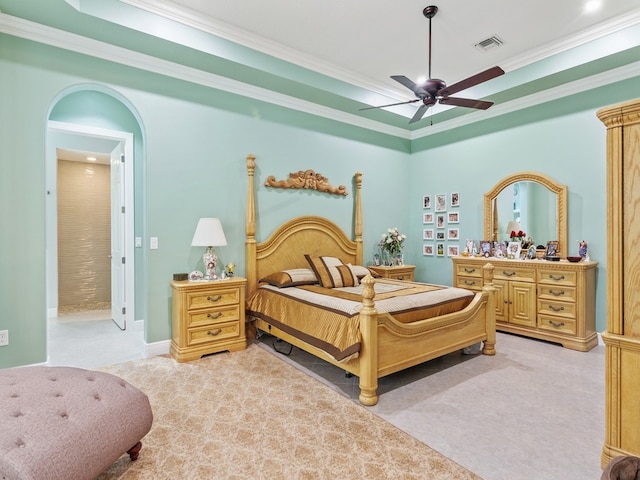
(91, 228)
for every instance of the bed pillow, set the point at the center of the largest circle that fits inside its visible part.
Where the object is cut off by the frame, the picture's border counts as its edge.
(331, 272)
(291, 278)
(359, 271)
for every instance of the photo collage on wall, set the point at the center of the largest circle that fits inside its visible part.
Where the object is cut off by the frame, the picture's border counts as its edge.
(440, 220)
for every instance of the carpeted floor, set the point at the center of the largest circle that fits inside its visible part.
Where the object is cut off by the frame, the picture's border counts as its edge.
(249, 415)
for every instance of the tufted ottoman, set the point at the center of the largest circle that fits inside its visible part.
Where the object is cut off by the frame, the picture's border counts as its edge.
(67, 423)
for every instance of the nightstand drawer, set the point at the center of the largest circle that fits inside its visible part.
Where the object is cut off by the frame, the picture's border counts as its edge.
(213, 316)
(213, 298)
(213, 333)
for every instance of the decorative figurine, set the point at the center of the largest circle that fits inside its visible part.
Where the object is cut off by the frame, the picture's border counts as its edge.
(583, 250)
(230, 266)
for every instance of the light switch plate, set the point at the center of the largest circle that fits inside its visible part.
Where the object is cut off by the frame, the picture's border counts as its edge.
(153, 243)
(4, 338)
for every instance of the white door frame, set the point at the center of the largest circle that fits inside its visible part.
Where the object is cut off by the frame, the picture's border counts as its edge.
(128, 218)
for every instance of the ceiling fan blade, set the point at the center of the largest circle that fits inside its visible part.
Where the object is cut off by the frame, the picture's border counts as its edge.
(471, 81)
(419, 113)
(466, 102)
(414, 87)
(390, 104)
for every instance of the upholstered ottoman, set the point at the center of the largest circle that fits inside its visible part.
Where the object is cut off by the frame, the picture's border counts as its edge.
(67, 423)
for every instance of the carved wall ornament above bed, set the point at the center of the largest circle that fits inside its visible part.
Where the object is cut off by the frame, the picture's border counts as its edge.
(307, 179)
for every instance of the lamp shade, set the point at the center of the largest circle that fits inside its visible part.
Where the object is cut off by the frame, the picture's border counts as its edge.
(209, 233)
(513, 226)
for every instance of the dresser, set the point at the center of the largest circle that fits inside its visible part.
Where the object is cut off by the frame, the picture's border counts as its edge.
(207, 317)
(622, 336)
(553, 301)
(400, 272)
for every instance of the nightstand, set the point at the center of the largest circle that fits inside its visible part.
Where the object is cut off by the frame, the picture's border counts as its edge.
(207, 317)
(401, 272)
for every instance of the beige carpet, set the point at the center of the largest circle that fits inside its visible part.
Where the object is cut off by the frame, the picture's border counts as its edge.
(250, 415)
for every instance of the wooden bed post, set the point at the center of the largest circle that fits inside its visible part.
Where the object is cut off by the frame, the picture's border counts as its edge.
(489, 347)
(369, 349)
(250, 227)
(358, 220)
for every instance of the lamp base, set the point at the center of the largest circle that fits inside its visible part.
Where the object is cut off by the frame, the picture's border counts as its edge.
(210, 260)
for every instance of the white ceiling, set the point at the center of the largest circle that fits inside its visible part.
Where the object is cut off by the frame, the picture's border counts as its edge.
(363, 42)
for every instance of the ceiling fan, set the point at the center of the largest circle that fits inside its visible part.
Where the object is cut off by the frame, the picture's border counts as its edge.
(435, 90)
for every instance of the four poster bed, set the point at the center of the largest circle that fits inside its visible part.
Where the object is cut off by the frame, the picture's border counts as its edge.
(306, 285)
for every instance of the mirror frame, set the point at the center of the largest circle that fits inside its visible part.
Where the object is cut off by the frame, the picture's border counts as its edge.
(560, 190)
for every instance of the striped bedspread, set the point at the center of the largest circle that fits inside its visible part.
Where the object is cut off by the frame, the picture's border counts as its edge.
(329, 318)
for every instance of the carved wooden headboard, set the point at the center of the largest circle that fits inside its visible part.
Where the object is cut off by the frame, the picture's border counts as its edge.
(286, 246)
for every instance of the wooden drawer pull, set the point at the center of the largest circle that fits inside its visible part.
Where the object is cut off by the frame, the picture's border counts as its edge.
(400, 278)
(214, 299)
(557, 325)
(556, 293)
(508, 274)
(469, 282)
(469, 270)
(218, 314)
(556, 309)
(215, 332)
(557, 279)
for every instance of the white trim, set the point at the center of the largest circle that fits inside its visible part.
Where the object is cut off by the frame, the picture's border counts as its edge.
(157, 348)
(76, 43)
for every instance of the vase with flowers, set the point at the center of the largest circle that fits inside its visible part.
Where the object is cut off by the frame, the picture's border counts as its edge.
(391, 243)
(518, 236)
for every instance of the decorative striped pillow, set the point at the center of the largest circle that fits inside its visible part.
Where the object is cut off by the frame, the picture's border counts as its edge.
(331, 272)
(291, 278)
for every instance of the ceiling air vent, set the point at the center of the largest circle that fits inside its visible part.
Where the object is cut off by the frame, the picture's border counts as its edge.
(489, 43)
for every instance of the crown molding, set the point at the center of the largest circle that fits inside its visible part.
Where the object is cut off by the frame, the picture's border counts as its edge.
(79, 44)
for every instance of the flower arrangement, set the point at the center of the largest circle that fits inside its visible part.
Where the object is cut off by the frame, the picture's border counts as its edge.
(517, 236)
(391, 242)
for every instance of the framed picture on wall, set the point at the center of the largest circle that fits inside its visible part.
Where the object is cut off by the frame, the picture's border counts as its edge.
(427, 234)
(427, 249)
(455, 199)
(440, 236)
(440, 220)
(453, 250)
(453, 234)
(454, 217)
(426, 201)
(427, 218)
(440, 249)
(441, 202)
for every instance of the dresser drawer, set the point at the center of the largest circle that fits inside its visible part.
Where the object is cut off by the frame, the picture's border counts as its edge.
(557, 292)
(558, 309)
(557, 277)
(213, 333)
(406, 275)
(557, 324)
(469, 270)
(212, 298)
(521, 274)
(470, 283)
(213, 316)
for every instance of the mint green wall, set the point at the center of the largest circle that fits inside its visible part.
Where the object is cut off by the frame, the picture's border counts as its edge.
(193, 165)
(570, 149)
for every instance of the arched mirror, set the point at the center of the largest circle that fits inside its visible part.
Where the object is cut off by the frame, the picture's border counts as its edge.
(537, 202)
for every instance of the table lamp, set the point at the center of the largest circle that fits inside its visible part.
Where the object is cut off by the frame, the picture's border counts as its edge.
(513, 226)
(209, 234)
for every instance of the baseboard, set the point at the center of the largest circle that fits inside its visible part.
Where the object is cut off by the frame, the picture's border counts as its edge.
(157, 348)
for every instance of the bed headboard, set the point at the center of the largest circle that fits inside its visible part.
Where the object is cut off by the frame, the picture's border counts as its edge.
(286, 246)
